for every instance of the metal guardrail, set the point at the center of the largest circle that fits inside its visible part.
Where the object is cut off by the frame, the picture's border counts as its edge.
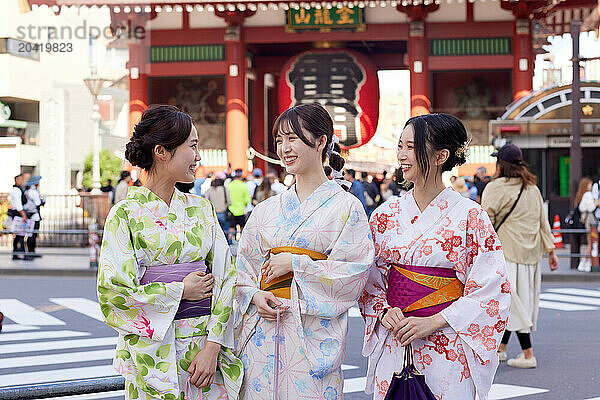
(66, 388)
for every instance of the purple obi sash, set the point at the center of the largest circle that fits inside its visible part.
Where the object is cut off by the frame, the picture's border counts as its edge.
(422, 291)
(175, 273)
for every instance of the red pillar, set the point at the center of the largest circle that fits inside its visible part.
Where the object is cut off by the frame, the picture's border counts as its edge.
(523, 58)
(138, 83)
(418, 55)
(258, 119)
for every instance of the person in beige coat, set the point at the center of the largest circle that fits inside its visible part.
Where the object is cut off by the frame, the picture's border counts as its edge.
(525, 236)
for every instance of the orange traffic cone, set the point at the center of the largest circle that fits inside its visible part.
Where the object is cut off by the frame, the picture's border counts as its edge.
(558, 242)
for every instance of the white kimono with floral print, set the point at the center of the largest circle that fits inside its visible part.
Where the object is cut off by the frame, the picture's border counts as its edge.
(154, 350)
(313, 333)
(452, 232)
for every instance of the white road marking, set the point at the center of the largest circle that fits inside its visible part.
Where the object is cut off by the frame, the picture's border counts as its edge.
(346, 367)
(27, 378)
(21, 313)
(570, 299)
(57, 345)
(18, 328)
(578, 292)
(500, 391)
(353, 385)
(81, 305)
(37, 335)
(565, 306)
(354, 312)
(50, 359)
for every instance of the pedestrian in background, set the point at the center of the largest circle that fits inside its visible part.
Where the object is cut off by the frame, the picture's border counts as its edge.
(32, 209)
(122, 186)
(219, 195)
(461, 187)
(356, 188)
(263, 191)
(584, 201)
(240, 197)
(371, 193)
(18, 216)
(108, 188)
(516, 208)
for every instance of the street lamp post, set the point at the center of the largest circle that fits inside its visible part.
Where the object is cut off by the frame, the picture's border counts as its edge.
(94, 84)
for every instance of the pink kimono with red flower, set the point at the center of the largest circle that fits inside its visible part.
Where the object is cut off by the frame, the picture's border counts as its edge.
(459, 360)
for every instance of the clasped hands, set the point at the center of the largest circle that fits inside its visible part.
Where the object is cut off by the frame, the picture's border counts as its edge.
(266, 303)
(407, 329)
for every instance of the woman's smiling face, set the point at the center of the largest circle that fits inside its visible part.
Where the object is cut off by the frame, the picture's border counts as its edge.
(406, 154)
(182, 165)
(297, 156)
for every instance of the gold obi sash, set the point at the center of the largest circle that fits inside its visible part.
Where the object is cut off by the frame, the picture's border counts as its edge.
(281, 286)
(422, 291)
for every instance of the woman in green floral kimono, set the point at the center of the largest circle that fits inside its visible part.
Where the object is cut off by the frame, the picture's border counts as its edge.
(157, 225)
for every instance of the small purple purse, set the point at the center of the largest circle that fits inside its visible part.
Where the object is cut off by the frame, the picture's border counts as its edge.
(175, 273)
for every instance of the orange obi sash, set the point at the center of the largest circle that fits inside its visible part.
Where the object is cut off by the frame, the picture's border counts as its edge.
(422, 291)
(281, 286)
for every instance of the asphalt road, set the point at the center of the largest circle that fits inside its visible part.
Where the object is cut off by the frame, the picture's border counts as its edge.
(52, 332)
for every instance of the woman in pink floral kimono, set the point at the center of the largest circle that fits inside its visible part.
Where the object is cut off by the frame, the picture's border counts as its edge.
(439, 281)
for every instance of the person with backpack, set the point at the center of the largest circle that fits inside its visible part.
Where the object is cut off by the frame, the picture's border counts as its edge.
(586, 205)
(219, 195)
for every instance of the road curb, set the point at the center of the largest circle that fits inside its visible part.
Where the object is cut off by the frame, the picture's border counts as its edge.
(573, 277)
(92, 272)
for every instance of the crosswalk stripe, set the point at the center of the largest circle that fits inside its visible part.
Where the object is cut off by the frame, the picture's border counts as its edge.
(50, 359)
(501, 391)
(354, 312)
(27, 378)
(353, 385)
(565, 306)
(90, 396)
(36, 335)
(22, 313)
(18, 328)
(578, 292)
(81, 305)
(57, 345)
(346, 367)
(570, 299)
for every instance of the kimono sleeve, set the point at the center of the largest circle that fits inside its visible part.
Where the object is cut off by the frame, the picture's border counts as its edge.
(130, 308)
(220, 260)
(479, 316)
(374, 299)
(330, 287)
(249, 260)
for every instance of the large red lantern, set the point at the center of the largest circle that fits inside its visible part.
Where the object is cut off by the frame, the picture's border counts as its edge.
(344, 82)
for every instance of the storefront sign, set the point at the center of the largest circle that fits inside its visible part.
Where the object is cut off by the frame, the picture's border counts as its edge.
(565, 141)
(344, 82)
(325, 19)
(564, 174)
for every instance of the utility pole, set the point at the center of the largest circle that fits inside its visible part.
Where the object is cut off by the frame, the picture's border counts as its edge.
(575, 153)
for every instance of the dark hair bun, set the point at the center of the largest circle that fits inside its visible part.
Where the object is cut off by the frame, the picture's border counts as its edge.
(160, 125)
(137, 155)
(336, 161)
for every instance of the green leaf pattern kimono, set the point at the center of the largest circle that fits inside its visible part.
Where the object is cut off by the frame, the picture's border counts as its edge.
(154, 350)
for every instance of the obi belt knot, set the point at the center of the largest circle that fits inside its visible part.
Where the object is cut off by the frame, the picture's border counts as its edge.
(281, 286)
(422, 291)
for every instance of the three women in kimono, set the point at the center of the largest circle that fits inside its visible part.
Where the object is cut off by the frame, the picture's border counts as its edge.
(305, 255)
(161, 355)
(439, 282)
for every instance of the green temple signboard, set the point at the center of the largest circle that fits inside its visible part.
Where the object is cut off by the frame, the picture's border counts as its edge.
(325, 19)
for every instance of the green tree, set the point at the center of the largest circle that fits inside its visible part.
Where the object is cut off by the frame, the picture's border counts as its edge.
(110, 168)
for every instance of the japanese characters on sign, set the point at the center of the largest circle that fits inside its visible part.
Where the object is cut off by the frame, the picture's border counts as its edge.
(325, 19)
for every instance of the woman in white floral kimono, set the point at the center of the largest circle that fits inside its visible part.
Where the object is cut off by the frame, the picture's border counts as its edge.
(306, 253)
(439, 281)
(162, 352)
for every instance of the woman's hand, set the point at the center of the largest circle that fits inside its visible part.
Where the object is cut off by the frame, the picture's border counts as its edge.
(276, 265)
(412, 328)
(553, 261)
(204, 366)
(392, 319)
(265, 303)
(197, 286)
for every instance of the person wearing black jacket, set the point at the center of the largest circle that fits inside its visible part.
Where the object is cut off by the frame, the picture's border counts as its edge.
(17, 201)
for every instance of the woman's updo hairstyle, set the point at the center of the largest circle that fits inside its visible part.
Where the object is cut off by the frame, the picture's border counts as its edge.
(160, 125)
(315, 119)
(435, 132)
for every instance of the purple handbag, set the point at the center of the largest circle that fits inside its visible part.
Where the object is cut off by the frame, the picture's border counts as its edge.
(175, 273)
(408, 384)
